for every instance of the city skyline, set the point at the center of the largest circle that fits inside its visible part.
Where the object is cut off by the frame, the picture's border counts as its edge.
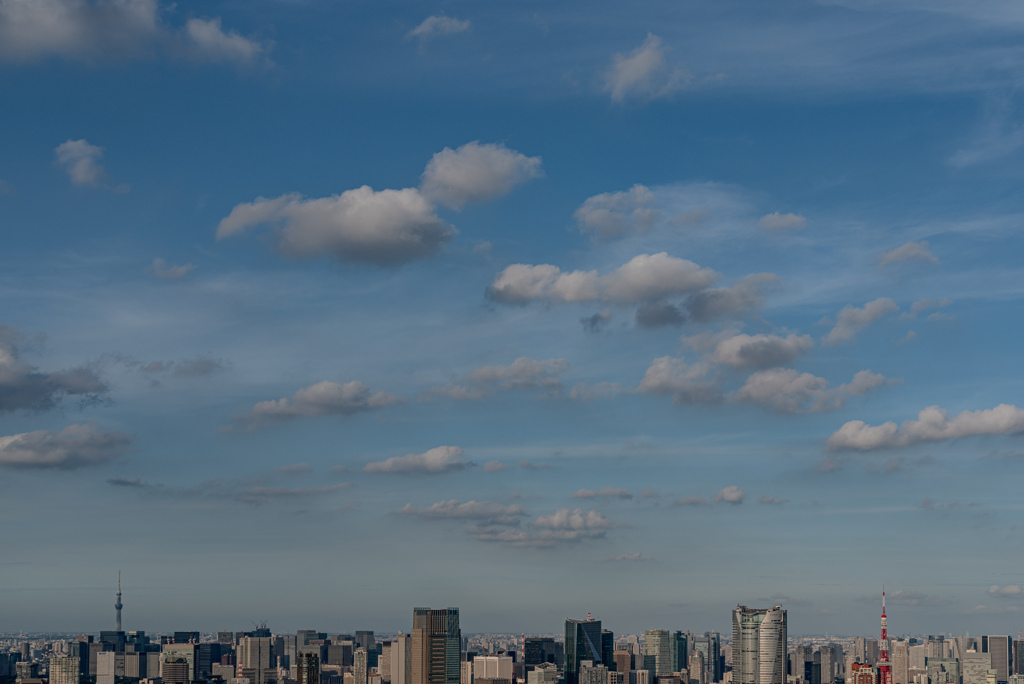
(313, 312)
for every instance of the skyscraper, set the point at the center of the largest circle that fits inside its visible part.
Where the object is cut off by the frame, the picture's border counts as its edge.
(63, 669)
(998, 648)
(401, 657)
(436, 646)
(759, 645)
(255, 659)
(583, 641)
(307, 668)
(657, 652)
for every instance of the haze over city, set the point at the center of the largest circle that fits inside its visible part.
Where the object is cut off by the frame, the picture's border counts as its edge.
(316, 312)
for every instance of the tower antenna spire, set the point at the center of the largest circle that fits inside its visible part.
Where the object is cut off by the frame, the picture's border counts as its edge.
(117, 605)
(884, 669)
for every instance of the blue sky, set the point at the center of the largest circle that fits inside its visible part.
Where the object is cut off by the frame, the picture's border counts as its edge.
(314, 312)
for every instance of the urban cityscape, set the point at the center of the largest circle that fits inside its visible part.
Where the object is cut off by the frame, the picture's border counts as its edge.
(435, 651)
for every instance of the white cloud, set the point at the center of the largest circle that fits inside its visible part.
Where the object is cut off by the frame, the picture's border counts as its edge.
(852, 320)
(932, 425)
(789, 391)
(686, 384)
(440, 459)
(476, 173)
(75, 446)
(603, 493)
(922, 305)
(161, 269)
(522, 374)
(776, 222)
(1008, 590)
(910, 251)
(643, 278)
(435, 26)
(324, 398)
(598, 390)
(385, 228)
(761, 351)
(111, 29)
(612, 214)
(494, 467)
(745, 295)
(644, 73)
(484, 512)
(81, 160)
(628, 557)
(730, 495)
(211, 42)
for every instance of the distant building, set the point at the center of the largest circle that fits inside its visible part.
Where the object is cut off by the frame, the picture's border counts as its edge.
(1000, 651)
(307, 668)
(583, 641)
(63, 669)
(759, 641)
(862, 673)
(175, 656)
(436, 646)
(658, 652)
(593, 673)
(539, 650)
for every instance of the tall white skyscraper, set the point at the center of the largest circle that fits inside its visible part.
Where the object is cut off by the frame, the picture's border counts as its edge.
(759, 645)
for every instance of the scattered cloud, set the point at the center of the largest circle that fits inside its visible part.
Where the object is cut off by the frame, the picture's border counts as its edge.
(658, 315)
(644, 73)
(614, 214)
(262, 495)
(76, 446)
(324, 398)
(911, 251)
(161, 269)
(852, 320)
(476, 173)
(776, 222)
(200, 366)
(581, 391)
(1008, 591)
(789, 391)
(482, 512)
(530, 465)
(829, 464)
(494, 467)
(922, 305)
(771, 500)
(385, 228)
(125, 482)
(81, 161)
(730, 495)
(636, 557)
(686, 384)
(436, 26)
(645, 277)
(111, 30)
(744, 296)
(649, 494)
(761, 351)
(25, 388)
(442, 459)
(603, 493)
(597, 322)
(522, 374)
(691, 501)
(932, 425)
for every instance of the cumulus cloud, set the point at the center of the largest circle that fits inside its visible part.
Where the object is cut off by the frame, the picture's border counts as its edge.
(442, 459)
(645, 277)
(613, 214)
(25, 388)
(852, 320)
(482, 512)
(736, 300)
(76, 446)
(777, 222)
(686, 384)
(932, 425)
(476, 173)
(603, 493)
(1010, 590)
(436, 26)
(789, 391)
(113, 29)
(385, 228)
(324, 398)
(658, 314)
(730, 495)
(761, 351)
(81, 161)
(911, 251)
(522, 374)
(161, 269)
(644, 73)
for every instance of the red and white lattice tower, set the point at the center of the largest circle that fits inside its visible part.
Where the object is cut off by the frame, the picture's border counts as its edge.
(884, 669)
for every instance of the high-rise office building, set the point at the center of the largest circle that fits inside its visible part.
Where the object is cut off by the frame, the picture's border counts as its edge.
(436, 646)
(401, 660)
(360, 666)
(307, 668)
(175, 656)
(539, 650)
(680, 652)
(63, 669)
(861, 673)
(255, 659)
(943, 671)
(658, 652)
(623, 661)
(583, 641)
(900, 661)
(593, 673)
(759, 643)
(999, 650)
(709, 644)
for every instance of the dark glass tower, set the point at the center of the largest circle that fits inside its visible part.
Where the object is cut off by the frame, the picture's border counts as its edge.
(583, 641)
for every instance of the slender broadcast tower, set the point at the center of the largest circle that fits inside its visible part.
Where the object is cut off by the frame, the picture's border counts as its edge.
(884, 669)
(118, 604)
